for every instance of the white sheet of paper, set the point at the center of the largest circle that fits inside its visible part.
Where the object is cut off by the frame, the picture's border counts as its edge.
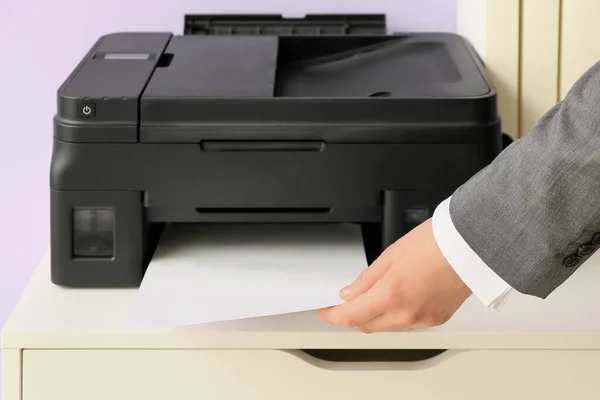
(212, 273)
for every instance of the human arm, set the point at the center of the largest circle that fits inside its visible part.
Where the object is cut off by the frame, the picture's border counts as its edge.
(532, 217)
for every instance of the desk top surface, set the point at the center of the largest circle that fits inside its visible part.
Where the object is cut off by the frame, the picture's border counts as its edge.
(49, 316)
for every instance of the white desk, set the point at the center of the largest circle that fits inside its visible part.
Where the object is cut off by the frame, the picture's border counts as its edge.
(69, 344)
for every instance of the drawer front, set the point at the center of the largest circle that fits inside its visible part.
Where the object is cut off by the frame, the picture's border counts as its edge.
(272, 374)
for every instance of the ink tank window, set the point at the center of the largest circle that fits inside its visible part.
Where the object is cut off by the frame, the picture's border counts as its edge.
(93, 232)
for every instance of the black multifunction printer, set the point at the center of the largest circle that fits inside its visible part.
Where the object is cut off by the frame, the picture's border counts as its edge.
(260, 119)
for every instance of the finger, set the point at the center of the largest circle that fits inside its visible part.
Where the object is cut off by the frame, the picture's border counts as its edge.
(392, 322)
(367, 278)
(323, 313)
(405, 319)
(358, 311)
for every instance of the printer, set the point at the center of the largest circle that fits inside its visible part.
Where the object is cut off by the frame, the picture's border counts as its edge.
(260, 119)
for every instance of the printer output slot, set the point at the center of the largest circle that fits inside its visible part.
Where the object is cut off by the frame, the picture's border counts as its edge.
(289, 210)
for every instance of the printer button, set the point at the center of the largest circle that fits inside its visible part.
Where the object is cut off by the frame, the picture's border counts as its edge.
(87, 110)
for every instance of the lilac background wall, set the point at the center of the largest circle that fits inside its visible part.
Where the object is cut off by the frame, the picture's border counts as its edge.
(40, 43)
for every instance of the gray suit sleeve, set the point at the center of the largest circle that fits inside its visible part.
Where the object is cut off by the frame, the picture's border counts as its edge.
(533, 214)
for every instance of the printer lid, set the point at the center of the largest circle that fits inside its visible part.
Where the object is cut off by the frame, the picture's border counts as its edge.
(334, 78)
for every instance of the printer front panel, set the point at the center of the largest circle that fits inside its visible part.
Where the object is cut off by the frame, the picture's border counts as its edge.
(340, 177)
(106, 197)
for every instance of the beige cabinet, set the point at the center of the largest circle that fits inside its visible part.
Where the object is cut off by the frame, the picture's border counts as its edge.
(71, 344)
(534, 50)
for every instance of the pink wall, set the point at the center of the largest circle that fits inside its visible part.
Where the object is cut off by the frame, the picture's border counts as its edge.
(40, 43)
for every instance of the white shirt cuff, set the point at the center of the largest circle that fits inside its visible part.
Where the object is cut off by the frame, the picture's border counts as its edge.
(485, 284)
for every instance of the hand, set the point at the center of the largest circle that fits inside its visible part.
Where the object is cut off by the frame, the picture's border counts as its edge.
(410, 286)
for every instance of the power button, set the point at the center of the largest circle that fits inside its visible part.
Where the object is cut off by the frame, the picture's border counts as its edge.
(87, 110)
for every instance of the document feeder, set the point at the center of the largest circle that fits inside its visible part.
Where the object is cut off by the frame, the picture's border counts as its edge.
(260, 119)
